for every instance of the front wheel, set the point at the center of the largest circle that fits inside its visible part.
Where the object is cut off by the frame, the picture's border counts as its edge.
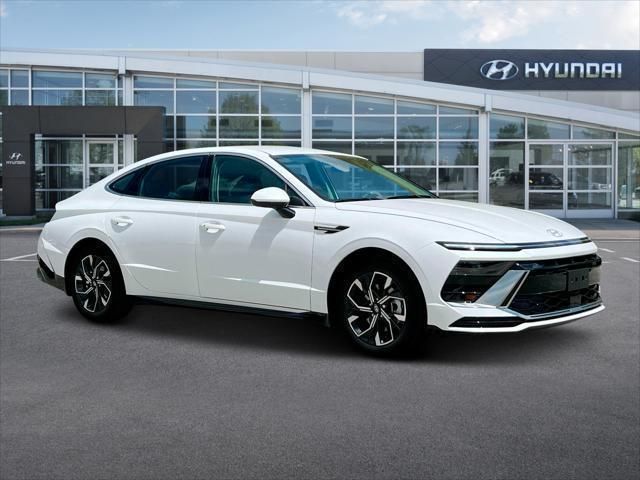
(98, 290)
(382, 309)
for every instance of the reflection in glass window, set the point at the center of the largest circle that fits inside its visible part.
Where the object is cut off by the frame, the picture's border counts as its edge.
(57, 97)
(172, 179)
(4, 78)
(458, 179)
(195, 101)
(192, 126)
(373, 106)
(19, 97)
(425, 177)
(589, 200)
(100, 97)
(456, 111)
(591, 154)
(590, 178)
(280, 100)
(332, 127)
(141, 81)
(154, 98)
(629, 174)
(281, 127)
(546, 154)
(46, 79)
(58, 152)
(341, 147)
(326, 103)
(238, 86)
(506, 126)
(378, 152)
(591, 133)
(543, 129)
(458, 153)
(19, 78)
(416, 127)
(545, 201)
(239, 127)
(506, 174)
(184, 144)
(193, 83)
(238, 102)
(374, 127)
(99, 80)
(59, 177)
(416, 153)
(4, 97)
(458, 127)
(549, 178)
(413, 108)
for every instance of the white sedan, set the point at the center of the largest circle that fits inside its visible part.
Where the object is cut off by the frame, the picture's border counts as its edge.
(308, 232)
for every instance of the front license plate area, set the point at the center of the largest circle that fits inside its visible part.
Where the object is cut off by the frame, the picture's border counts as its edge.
(577, 279)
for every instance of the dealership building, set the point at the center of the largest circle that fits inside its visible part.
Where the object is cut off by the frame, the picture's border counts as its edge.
(554, 131)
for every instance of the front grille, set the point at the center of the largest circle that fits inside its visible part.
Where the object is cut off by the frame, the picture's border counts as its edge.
(556, 285)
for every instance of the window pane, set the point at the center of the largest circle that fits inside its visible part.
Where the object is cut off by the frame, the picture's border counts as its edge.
(168, 126)
(19, 78)
(285, 143)
(195, 127)
(98, 173)
(4, 97)
(590, 154)
(239, 127)
(19, 97)
(416, 153)
(280, 100)
(506, 126)
(332, 127)
(416, 127)
(184, 144)
(234, 86)
(629, 175)
(456, 111)
(48, 200)
(545, 155)
(172, 179)
(628, 136)
(545, 201)
(238, 102)
(237, 178)
(57, 97)
(374, 127)
(546, 178)
(425, 177)
(381, 153)
(341, 147)
(458, 153)
(411, 108)
(192, 83)
(589, 200)
(100, 97)
(140, 81)
(590, 178)
(195, 102)
(326, 103)
(541, 129)
(101, 153)
(281, 127)
(591, 133)
(458, 127)
(156, 99)
(373, 105)
(59, 177)
(99, 80)
(506, 177)
(57, 79)
(458, 179)
(462, 196)
(4, 78)
(59, 152)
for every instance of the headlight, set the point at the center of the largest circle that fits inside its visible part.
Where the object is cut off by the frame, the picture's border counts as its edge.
(481, 247)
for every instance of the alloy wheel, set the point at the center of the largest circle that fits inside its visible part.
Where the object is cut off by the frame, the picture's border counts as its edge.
(376, 309)
(93, 284)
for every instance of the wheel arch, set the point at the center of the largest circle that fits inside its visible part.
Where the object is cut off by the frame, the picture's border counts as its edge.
(80, 245)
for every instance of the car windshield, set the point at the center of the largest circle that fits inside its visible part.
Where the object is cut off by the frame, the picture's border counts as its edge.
(345, 178)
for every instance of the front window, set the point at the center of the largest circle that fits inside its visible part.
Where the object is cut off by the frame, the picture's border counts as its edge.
(342, 178)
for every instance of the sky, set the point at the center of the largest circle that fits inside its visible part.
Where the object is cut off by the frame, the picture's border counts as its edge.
(398, 25)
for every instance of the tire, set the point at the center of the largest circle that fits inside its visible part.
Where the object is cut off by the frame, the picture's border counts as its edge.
(393, 321)
(97, 287)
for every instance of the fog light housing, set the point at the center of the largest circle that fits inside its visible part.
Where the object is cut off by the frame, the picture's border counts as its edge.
(468, 281)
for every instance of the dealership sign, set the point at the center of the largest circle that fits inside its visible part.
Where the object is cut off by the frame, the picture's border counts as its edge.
(535, 69)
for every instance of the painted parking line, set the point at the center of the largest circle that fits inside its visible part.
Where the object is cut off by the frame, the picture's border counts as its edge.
(630, 259)
(606, 250)
(20, 258)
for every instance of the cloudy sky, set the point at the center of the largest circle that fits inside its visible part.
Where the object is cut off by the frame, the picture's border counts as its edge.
(406, 25)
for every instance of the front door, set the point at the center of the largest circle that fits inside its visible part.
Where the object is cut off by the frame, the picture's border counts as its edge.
(102, 160)
(253, 255)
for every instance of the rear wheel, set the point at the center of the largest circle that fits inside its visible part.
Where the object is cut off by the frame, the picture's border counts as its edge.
(382, 309)
(97, 288)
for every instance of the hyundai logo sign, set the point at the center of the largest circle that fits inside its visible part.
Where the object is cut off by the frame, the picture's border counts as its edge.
(499, 70)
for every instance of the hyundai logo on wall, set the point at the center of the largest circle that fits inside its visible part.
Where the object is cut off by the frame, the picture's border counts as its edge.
(499, 70)
(16, 159)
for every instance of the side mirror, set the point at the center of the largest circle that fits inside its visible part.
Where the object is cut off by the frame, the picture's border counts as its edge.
(273, 197)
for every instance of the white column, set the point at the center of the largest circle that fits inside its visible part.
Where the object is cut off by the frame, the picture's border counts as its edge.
(483, 157)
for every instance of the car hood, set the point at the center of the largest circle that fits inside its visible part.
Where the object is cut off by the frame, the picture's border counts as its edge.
(508, 225)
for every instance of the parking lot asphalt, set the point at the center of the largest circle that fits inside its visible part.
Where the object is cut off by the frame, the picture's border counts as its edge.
(174, 392)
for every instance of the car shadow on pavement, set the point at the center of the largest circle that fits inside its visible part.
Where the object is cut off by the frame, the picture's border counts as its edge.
(310, 337)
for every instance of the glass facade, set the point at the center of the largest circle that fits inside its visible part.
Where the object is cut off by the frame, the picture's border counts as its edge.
(503, 158)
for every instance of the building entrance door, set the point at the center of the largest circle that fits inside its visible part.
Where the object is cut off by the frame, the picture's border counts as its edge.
(102, 159)
(570, 180)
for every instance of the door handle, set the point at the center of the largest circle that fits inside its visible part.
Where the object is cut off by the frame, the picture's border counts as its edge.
(212, 227)
(121, 221)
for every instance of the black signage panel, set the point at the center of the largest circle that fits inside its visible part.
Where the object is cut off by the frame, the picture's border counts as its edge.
(535, 69)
